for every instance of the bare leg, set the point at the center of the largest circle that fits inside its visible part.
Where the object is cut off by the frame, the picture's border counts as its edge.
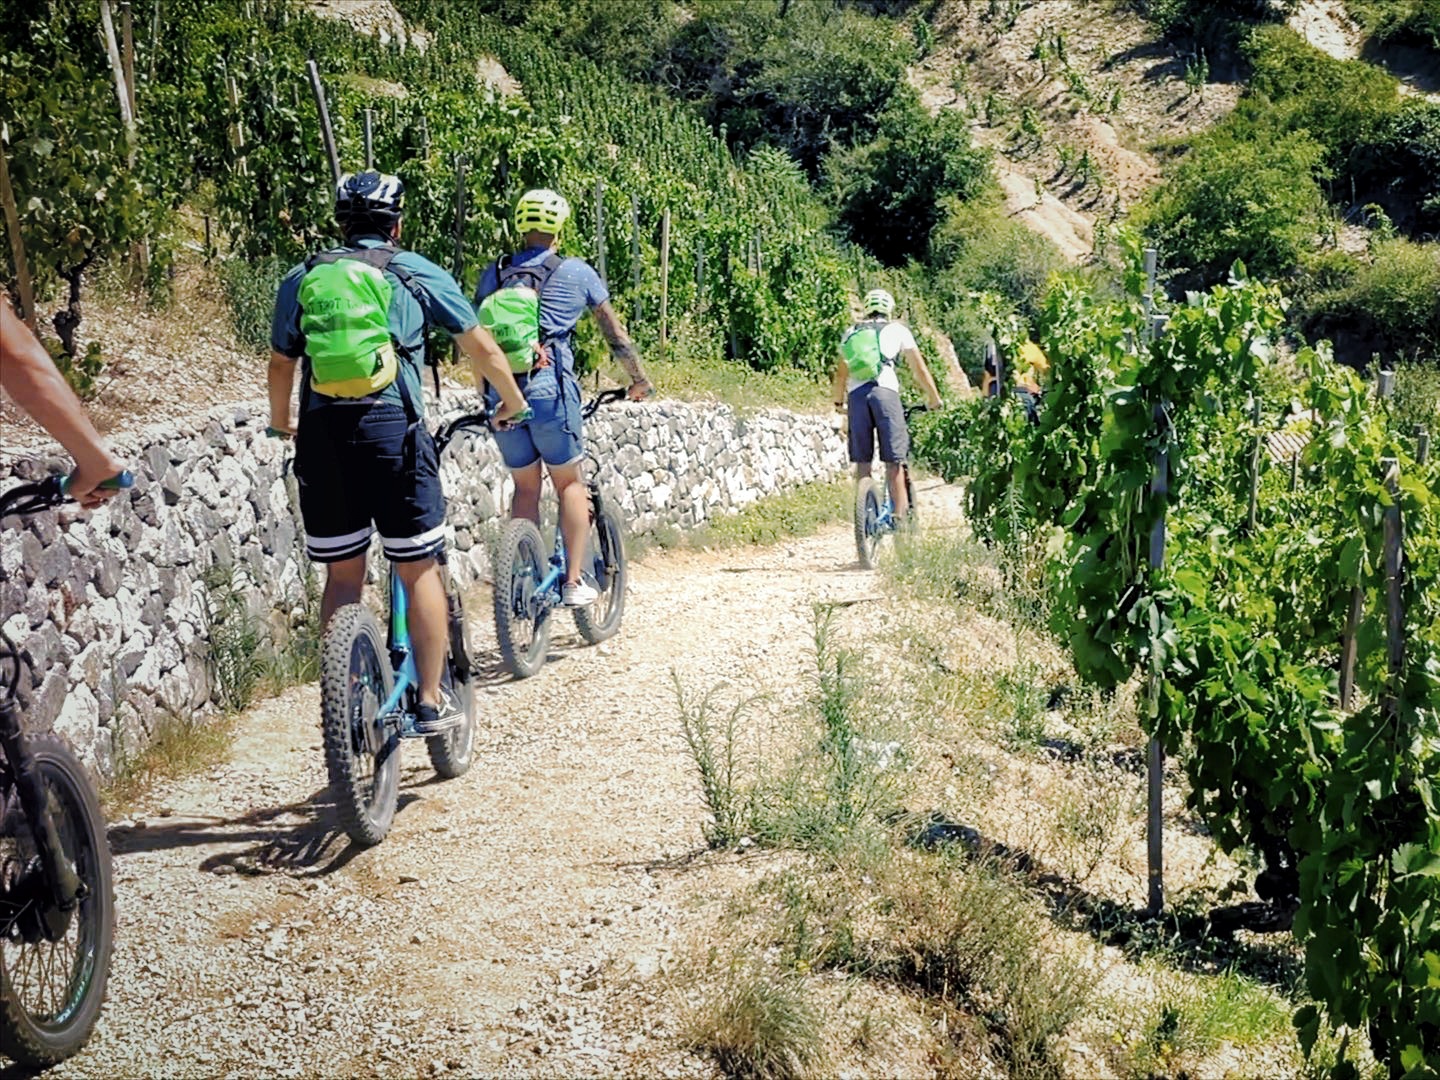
(428, 632)
(344, 582)
(895, 478)
(526, 503)
(574, 517)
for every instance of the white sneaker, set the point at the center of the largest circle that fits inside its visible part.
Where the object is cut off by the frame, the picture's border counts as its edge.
(578, 594)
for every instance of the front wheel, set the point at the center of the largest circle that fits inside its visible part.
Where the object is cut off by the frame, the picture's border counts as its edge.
(867, 521)
(605, 563)
(54, 962)
(522, 622)
(451, 751)
(362, 752)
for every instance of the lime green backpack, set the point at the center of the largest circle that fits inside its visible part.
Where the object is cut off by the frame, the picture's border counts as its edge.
(861, 350)
(512, 312)
(345, 317)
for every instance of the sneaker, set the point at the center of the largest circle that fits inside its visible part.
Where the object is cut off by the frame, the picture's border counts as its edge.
(438, 719)
(578, 594)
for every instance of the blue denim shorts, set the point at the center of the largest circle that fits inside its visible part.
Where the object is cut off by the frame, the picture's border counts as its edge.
(553, 434)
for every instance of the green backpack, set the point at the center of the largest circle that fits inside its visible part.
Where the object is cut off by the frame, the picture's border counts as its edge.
(862, 352)
(345, 317)
(512, 312)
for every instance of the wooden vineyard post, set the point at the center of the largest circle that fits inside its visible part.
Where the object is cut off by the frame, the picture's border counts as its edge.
(664, 281)
(326, 132)
(700, 272)
(600, 229)
(459, 241)
(1154, 757)
(635, 252)
(154, 36)
(12, 227)
(1422, 444)
(117, 70)
(1294, 471)
(726, 274)
(424, 137)
(1349, 646)
(1394, 594)
(127, 51)
(460, 218)
(369, 138)
(1254, 509)
(237, 129)
(1385, 386)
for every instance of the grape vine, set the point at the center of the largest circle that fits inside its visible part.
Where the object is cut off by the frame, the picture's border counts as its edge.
(1239, 633)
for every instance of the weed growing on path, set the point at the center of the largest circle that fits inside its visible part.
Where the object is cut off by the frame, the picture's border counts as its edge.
(758, 1027)
(178, 746)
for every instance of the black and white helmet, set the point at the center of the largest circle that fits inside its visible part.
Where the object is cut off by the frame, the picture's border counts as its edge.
(369, 198)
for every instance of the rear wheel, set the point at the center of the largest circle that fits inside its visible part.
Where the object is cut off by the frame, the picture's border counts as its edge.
(362, 754)
(521, 620)
(867, 518)
(605, 564)
(450, 752)
(54, 963)
(911, 524)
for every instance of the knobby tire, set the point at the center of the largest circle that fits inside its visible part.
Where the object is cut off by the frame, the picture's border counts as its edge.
(867, 510)
(38, 1031)
(355, 679)
(451, 752)
(605, 563)
(520, 564)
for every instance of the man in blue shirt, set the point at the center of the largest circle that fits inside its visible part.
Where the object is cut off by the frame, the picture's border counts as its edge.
(567, 288)
(368, 463)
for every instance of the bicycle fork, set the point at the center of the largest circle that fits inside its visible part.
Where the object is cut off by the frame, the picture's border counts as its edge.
(60, 876)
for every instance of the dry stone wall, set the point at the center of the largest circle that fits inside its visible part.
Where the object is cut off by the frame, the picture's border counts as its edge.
(112, 609)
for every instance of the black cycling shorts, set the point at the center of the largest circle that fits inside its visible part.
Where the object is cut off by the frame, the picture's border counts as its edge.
(873, 411)
(363, 469)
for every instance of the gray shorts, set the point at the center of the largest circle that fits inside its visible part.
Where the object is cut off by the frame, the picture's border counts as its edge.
(877, 411)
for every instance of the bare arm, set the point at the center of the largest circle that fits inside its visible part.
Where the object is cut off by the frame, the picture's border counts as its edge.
(923, 377)
(838, 381)
(30, 377)
(280, 385)
(623, 350)
(491, 365)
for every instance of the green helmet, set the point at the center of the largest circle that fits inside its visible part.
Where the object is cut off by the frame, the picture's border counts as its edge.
(541, 210)
(879, 302)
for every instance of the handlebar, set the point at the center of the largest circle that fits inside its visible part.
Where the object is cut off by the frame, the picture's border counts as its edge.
(604, 397)
(51, 492)
(481, 418)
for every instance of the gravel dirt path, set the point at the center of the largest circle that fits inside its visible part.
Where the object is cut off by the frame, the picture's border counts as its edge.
(519, 920)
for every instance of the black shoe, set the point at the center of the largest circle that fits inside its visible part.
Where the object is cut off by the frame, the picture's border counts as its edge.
(436, 720)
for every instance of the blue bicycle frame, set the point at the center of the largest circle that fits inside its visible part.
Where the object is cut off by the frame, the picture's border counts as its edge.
(402, 658)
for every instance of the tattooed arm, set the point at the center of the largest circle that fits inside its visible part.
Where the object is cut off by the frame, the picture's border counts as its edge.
(623, 350)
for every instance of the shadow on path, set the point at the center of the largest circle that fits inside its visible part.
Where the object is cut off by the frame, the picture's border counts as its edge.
(314, 846)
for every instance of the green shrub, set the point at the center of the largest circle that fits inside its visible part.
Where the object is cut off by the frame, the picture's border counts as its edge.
(250, 292)
(1401, 167)
(983, 249)
(1238, 194)
(941, 442)
(893, 192)
(1394, 299)
(1402, 22)
(1342, 104)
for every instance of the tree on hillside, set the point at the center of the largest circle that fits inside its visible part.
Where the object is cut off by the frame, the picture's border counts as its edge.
(891, 192)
